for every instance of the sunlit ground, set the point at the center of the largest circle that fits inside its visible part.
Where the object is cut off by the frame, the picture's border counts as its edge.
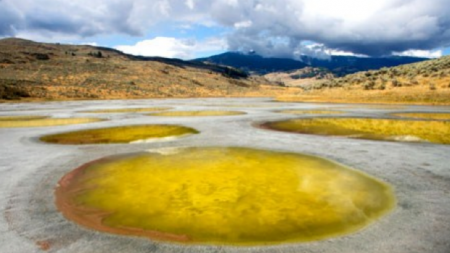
(196, 113)
(218, 195)
(311, 112)
(131, 110)
(372, 129)
(123, 134)
(425, 115)
(41, 121)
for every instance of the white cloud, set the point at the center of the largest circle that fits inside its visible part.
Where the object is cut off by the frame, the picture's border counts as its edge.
(173, 47)
(368, 27)
(344, 53)
(421, 53)
(345, 10)
(90, 43)
(243, 24)
(190, 4)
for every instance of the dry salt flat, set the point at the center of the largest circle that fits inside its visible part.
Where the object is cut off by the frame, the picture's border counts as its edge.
(30, 170)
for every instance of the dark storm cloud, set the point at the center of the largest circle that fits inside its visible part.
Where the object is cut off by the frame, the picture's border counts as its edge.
(8, 18)
(270, 27)
(80, 18)
(399, 26)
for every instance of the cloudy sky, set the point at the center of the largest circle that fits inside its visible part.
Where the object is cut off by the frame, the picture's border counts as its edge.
(194, 28)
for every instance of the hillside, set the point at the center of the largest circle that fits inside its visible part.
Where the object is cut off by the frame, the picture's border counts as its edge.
(426, 82)
(304, 77)
(36, 71)
(344, 65)
(338, 65)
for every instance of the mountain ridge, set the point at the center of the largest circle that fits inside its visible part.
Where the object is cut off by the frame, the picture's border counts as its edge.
(338, 65)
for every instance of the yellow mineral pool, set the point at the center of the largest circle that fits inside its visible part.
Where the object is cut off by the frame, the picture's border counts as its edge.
(120, 134)
(222, 195)
(366, 128)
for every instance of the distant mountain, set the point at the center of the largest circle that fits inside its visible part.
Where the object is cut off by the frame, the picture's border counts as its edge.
(338, 65)
(253, 63)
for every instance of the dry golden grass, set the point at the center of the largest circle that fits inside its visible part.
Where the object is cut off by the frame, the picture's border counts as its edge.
(425, 82)
(401, 95)
(72, 73)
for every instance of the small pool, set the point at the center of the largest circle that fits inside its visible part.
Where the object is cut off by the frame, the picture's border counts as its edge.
(122, 134)
(368, 128)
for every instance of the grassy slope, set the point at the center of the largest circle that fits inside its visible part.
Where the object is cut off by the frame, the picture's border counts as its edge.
(426, 82)
(76, 72)
(300, 78)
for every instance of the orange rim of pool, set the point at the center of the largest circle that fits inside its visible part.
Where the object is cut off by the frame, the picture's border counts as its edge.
(222, 196)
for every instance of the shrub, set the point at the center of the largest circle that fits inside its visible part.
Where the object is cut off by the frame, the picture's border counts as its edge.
(414, 81)
(369, 85)
(396, 83)
(42, 57)
(383, 70)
